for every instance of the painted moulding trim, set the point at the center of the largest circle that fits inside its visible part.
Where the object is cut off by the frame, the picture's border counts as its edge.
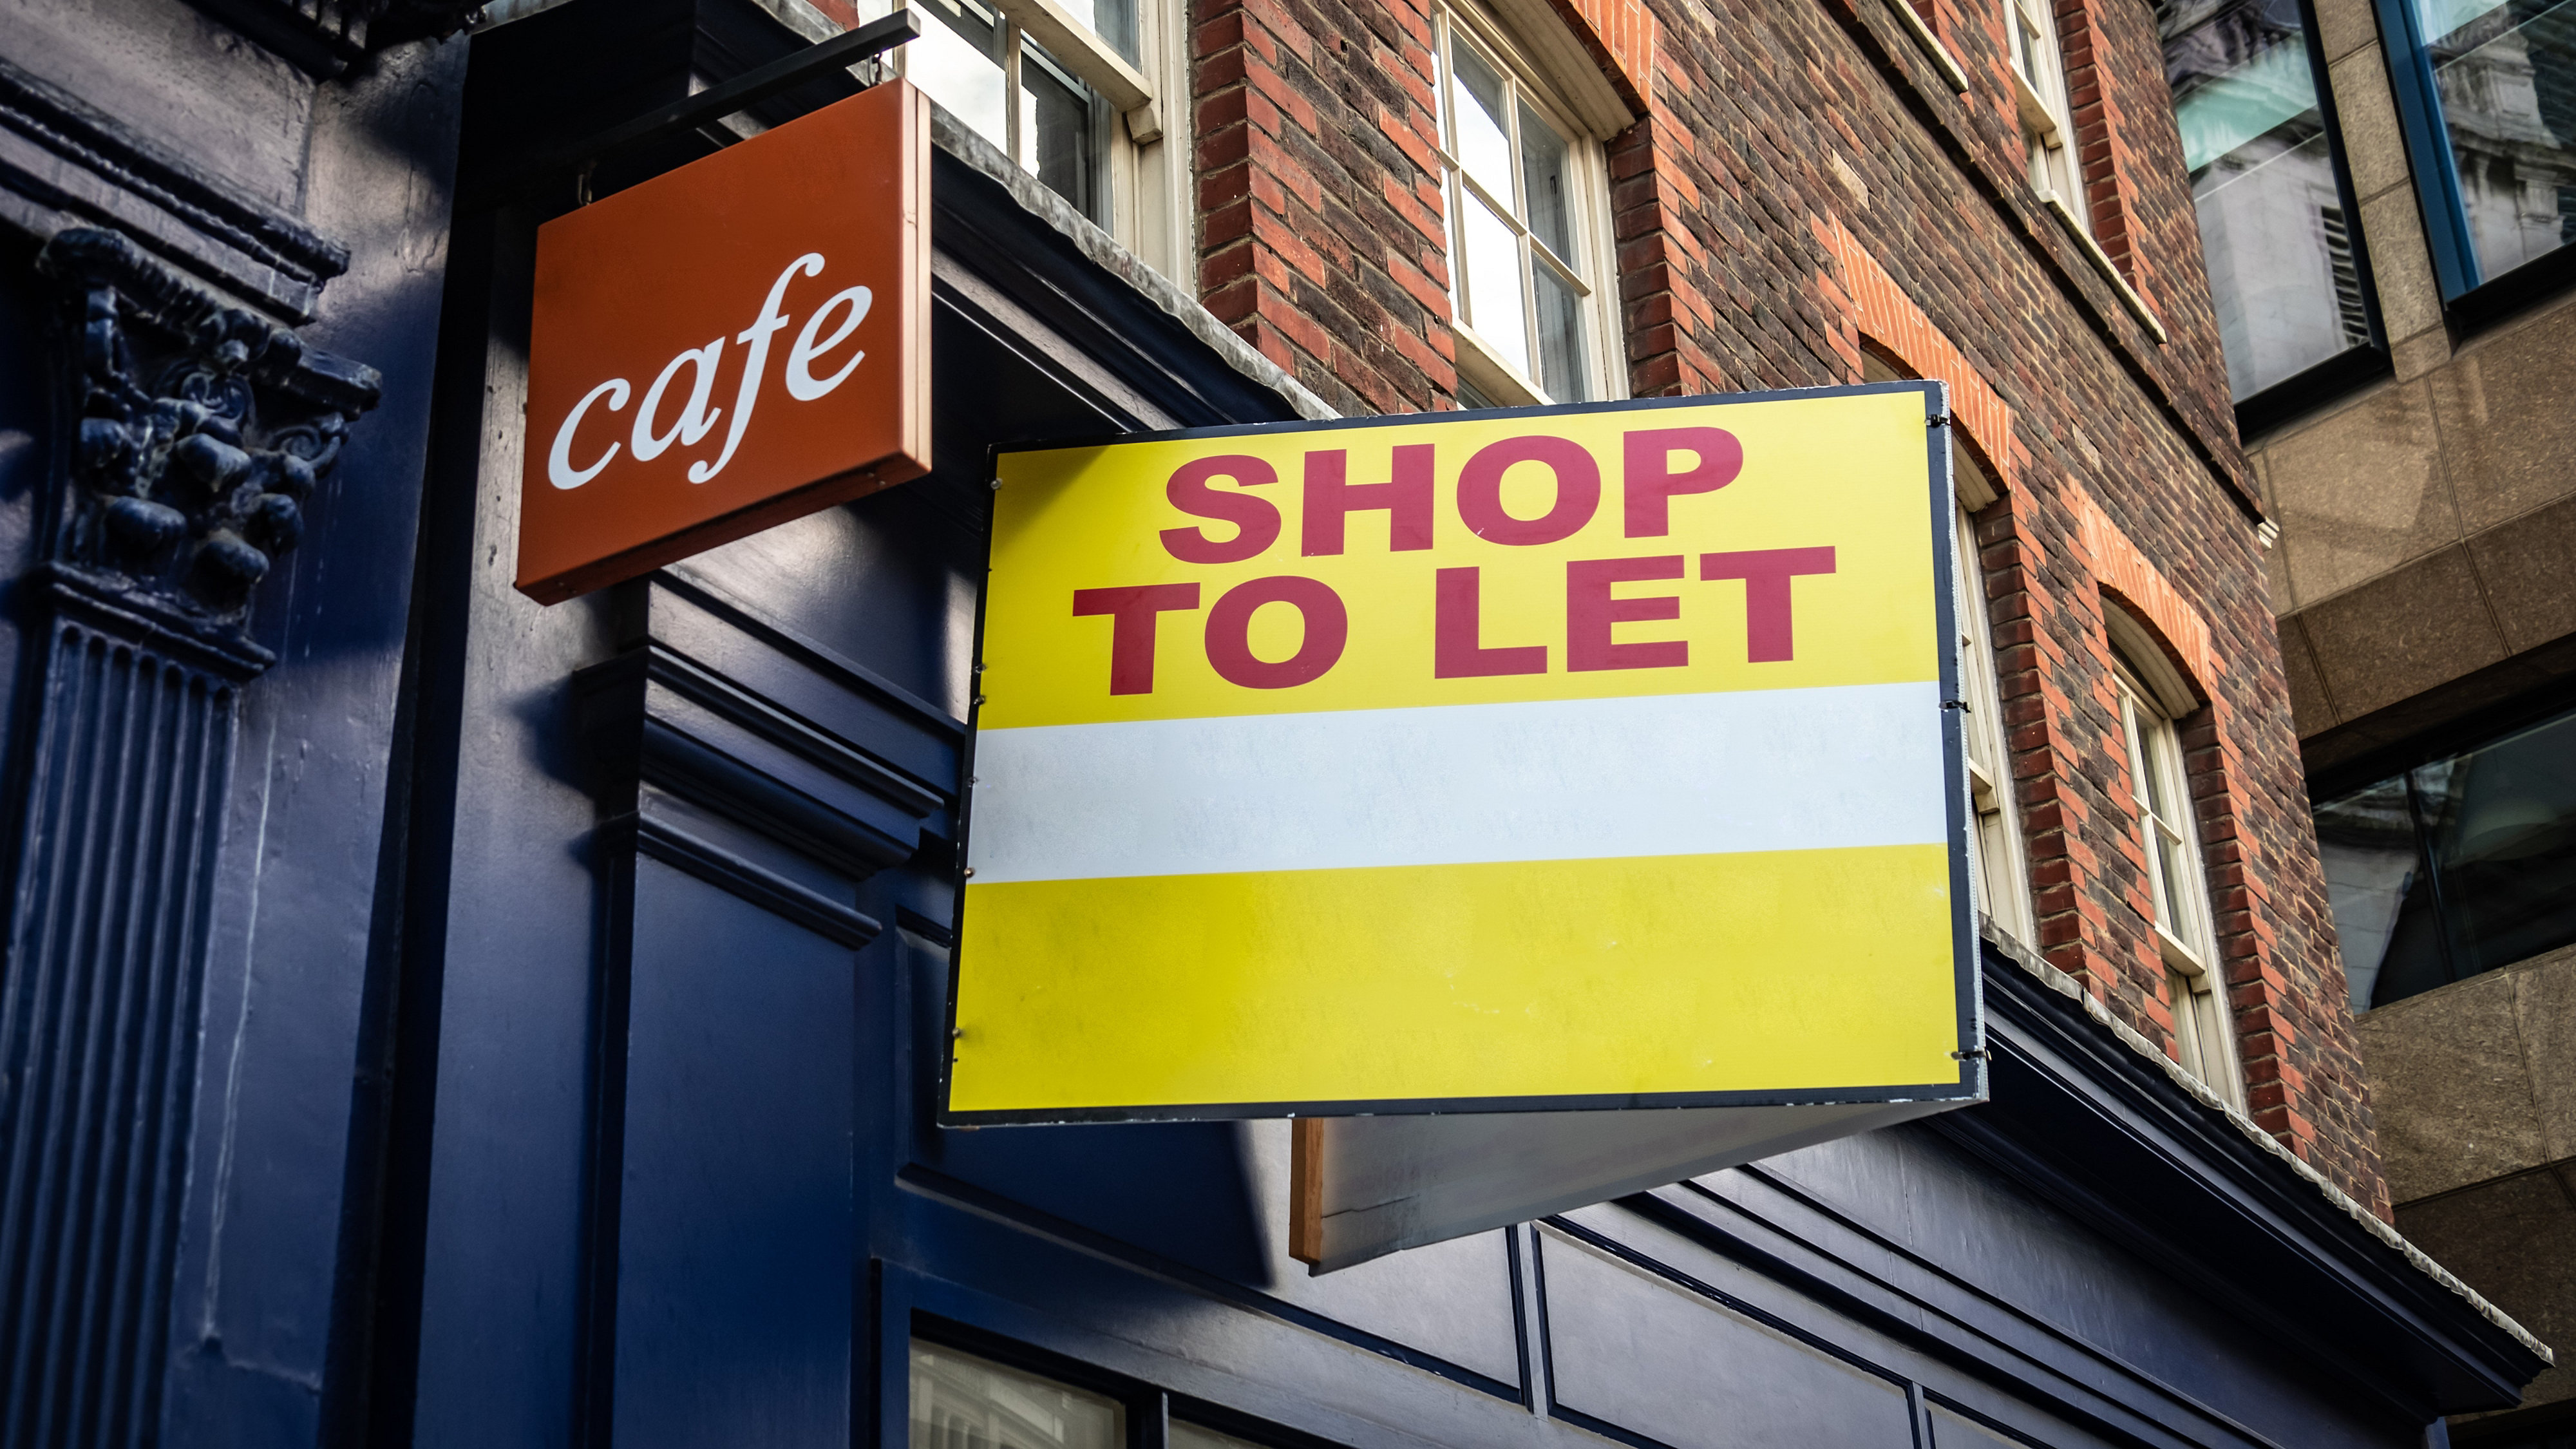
(97, 172)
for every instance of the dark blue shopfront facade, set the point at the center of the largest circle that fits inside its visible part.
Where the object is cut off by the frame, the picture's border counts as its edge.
(568, 986)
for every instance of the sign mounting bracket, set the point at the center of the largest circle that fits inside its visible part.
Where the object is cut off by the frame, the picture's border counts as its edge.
(710, 105)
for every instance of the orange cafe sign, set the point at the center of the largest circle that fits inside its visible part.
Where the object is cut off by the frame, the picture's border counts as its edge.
(731, 345)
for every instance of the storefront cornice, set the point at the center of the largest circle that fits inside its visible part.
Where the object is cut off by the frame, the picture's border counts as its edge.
(2087, 1113)
(66, 164)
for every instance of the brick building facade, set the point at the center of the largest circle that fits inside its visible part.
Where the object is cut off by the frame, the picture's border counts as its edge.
(1806, 187)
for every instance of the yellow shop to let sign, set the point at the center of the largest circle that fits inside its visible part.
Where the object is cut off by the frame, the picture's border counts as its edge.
(1580, 757)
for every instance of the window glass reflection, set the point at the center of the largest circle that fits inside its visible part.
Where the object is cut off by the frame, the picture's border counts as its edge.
(960, 1401)
(2460, 866)
(1484, 143)
(1494, 284)
(2282, 270)
(2506, 77)
(1055, 126)
(1560, 335)
(1544, 183)
(959, 63)
(1112, 20)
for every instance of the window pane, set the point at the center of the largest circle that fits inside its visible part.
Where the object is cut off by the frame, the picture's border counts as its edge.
(1112, 20)
(1545, 184)
(1493, 258)
(2506, 74)
(2272, 228)
(2366, 841)
(2501, 826)
(1483, 139)
(963, 1402)
(2157, 738)
(2173, 870)
(958, 64)
(1560, 337)
(2186, 1024)
(1191, 1436)
(1055, 127)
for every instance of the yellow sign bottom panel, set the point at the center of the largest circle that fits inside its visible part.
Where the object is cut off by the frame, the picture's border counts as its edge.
(1777, 972)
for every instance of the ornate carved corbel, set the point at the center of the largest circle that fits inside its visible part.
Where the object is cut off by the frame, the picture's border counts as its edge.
(203, 429)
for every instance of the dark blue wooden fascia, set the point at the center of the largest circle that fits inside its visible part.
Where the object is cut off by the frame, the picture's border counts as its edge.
(2079, 1117)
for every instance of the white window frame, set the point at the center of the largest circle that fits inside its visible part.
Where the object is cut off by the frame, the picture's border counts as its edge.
(2038, 67)
(1143, 151)
(1994, 826)
(1480, 366)
(2178, 886)
(1144, 176)
(1997, 869)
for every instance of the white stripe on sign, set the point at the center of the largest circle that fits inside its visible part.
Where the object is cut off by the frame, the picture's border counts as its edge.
(1678, 774)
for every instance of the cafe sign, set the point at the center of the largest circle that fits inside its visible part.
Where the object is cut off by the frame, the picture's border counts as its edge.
(1602, 757)
(730, 345)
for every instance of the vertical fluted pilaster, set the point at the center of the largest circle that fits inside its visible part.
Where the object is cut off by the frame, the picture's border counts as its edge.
(99, 1020)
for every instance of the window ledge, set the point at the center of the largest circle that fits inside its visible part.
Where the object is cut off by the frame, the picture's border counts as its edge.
(2037, 120)
(1939, 54)
(1480, 364)
(2103, 264)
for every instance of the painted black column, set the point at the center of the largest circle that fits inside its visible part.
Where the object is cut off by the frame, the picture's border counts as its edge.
(195, 433)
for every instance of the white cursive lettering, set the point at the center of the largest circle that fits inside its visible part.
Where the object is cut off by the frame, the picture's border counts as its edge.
(559, 468)
(694, 420)
(801, 383)
(756, 337)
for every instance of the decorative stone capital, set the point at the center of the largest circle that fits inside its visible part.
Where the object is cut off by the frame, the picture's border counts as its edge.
(203, 430)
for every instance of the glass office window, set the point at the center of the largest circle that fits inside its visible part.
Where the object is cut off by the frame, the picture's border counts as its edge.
(2504, 80)
(2283, 271)
(960, 1401)
(2461, 865)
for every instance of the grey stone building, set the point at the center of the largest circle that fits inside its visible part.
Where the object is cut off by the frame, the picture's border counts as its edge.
(2388, 204)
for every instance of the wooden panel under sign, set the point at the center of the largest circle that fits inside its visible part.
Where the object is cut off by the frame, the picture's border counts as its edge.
(1639, 1352)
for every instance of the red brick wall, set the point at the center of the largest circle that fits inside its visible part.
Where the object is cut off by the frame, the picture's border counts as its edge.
(2105, 62)
(1803, 180)
(1321, 236)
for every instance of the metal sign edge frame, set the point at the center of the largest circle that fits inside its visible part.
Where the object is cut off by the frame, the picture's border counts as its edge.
(1969, 996)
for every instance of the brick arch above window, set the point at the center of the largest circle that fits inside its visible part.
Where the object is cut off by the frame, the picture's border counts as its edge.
(2160, 624)
(1884, 318)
